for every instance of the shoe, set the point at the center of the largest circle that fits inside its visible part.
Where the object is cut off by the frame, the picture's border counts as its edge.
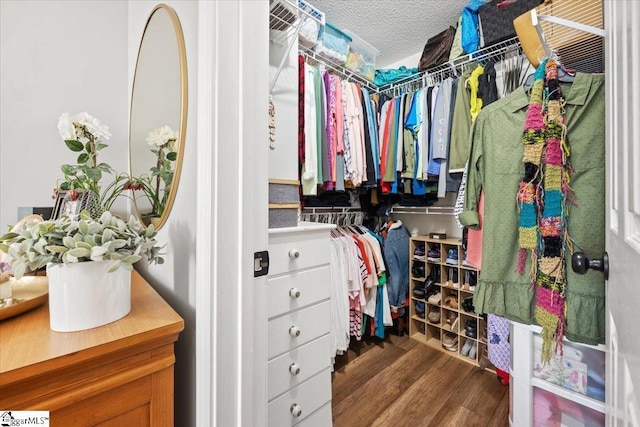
(455, 283)
(451, 301)
(470, 328)
(419, 290)
(450, 341)
(473, 280)
(434, 314)
(418, 253)
(434, 255)
(466, 347)
(431, 280)
(465, 263)
(467, 305)
(473, 350)
(452, 256)
(419, 309)
(417, 270)
(434, 299)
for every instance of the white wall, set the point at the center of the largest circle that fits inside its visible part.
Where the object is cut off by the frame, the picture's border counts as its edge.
(56, 57)
(71, 56)
(175, 279)
(409, 62)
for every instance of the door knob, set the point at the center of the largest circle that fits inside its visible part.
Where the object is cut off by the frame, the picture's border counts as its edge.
(580, 264)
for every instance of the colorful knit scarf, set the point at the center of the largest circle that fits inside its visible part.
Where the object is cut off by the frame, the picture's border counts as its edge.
(543, 199)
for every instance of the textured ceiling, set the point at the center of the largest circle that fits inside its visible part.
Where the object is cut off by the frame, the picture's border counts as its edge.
(397, 28)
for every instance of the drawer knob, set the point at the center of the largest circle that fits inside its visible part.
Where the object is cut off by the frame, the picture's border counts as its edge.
(294, 293)
(296, 410)
(294, 369)
(294, 331)
(294, 253)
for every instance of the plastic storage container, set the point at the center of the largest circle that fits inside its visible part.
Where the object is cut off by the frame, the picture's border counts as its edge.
(361, 58)
(581, 368)
(333, 43)
(552, 410)
(312, 21)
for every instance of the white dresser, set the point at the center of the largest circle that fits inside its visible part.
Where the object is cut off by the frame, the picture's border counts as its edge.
(299, 318)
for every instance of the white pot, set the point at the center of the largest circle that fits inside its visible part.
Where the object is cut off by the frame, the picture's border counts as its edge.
(84, 295)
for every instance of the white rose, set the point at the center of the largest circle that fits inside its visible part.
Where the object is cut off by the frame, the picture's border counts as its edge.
(159, 137)
(66, 128)
(93, 126)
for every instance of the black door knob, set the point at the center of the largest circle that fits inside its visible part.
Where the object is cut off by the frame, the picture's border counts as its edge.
(580, 264)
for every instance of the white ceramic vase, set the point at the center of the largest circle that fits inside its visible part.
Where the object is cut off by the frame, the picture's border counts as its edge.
(84, 295)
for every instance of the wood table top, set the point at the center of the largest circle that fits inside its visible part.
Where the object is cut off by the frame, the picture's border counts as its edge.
(28, 346)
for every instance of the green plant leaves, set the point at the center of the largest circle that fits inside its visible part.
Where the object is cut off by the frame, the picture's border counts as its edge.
(79, 252)
(94, 174)
(172, 156)
(69, 241)
(9, 236)
(83, 158)
(74, 145)
(83, 227)
(132, 259)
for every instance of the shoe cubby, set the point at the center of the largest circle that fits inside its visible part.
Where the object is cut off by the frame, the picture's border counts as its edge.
(447, 290)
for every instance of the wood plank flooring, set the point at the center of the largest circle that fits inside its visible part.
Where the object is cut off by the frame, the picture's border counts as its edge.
(400, 382)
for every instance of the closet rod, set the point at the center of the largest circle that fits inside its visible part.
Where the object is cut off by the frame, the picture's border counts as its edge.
(430, 210)
(330, 209)
(456, 65)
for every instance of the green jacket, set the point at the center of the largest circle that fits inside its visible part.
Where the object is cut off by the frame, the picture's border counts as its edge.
(495, 165)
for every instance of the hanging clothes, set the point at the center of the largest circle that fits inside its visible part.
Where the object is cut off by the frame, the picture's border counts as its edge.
(396, 251)
(497, 147)
(310, 166)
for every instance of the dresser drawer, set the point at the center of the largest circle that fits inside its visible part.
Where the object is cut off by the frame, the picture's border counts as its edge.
(297, 328)
(295, 252)
(301, 401)
(296, 366)
(321, 418)
(298, 289)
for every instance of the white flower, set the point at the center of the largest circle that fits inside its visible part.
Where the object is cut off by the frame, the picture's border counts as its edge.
(93, 126)
(66, 128)
(159, 137)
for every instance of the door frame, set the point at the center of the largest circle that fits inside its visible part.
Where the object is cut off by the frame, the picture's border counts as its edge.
(233, 46)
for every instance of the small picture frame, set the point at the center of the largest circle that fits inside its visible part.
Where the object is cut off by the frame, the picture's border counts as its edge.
(57, 206)
(64, 206)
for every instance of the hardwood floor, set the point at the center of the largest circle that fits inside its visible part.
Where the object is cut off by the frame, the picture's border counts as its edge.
(400, 382)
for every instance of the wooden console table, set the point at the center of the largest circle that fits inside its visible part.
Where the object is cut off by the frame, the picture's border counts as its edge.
(114, 375)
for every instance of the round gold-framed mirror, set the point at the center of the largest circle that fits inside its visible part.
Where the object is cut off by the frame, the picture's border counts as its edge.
(158, 116)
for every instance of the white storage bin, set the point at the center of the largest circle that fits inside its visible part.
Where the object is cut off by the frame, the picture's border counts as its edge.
(333, 43)
(580, 368)
(312, 21)
(361, 58)
(552, 410)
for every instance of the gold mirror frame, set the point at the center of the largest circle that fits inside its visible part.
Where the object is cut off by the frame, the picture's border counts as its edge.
(182, 127)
